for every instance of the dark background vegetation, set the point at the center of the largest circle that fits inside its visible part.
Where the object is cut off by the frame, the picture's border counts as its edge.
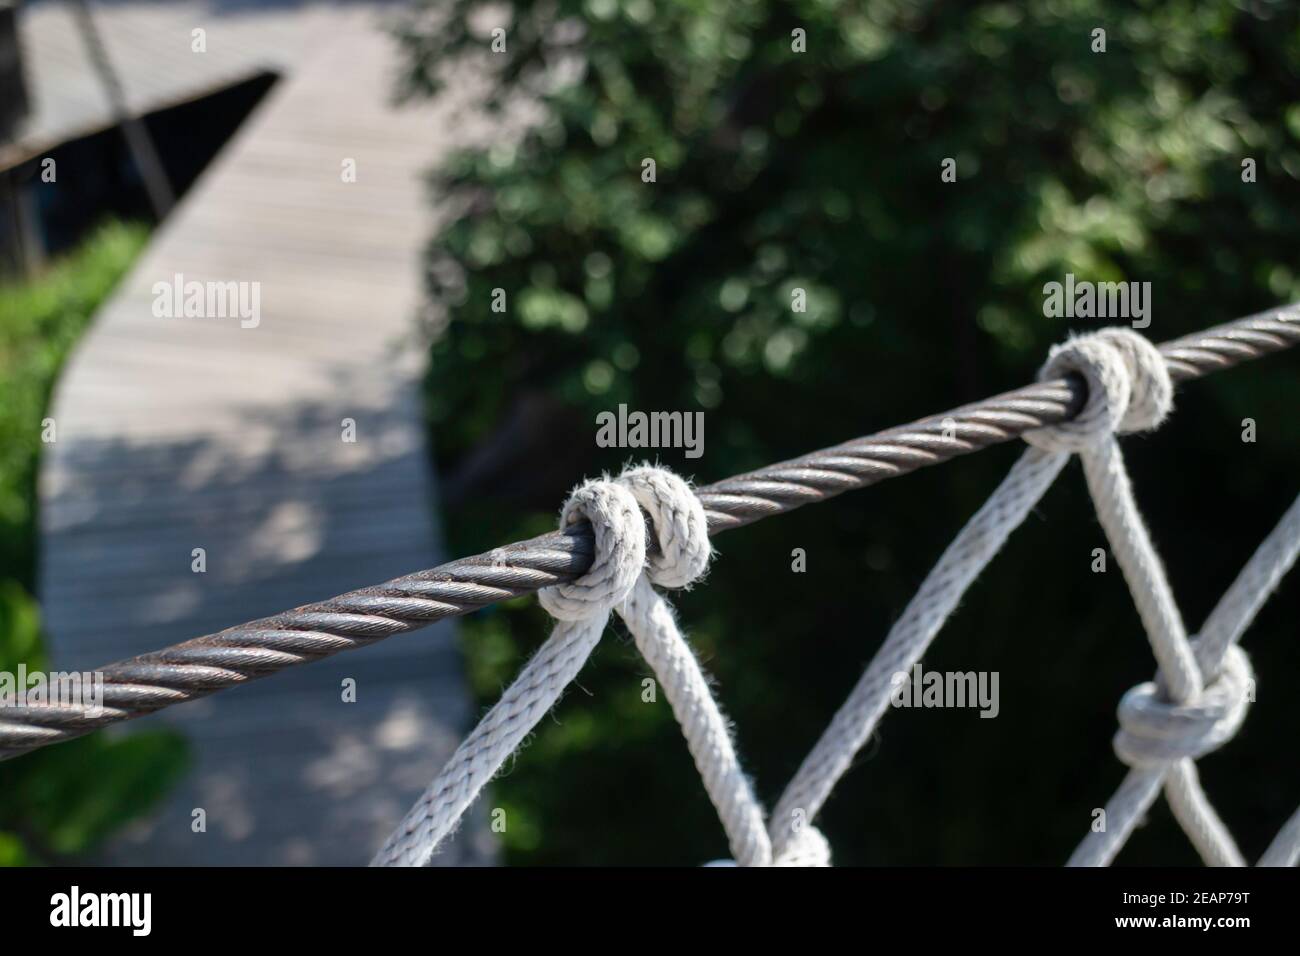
(821, 170)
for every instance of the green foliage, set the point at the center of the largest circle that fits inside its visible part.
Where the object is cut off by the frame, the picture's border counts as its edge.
(39, 323)
(59, 802)
(820, 171)
(65, 800)
(20, 629)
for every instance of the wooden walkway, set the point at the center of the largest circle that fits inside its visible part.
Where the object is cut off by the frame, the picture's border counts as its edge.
(149, 44)
(184, 433)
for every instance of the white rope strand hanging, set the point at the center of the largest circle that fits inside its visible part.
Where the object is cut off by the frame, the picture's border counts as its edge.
(620, 580)
(968, 555)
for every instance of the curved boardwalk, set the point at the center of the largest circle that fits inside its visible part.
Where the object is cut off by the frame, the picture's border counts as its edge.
(184, 433)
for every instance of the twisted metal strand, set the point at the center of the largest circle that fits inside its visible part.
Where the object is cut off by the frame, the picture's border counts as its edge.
(196, 668)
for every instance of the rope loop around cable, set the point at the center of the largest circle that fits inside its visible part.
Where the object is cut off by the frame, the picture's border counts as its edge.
(614, 507)
(619, 531)
(1128, 382)
(679, 523)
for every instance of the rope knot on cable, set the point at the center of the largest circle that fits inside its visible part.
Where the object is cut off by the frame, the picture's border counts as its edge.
(1129, 388)
(621, 580)
(681, 528)
(614, 508)
(619, 532)
(1155, 731)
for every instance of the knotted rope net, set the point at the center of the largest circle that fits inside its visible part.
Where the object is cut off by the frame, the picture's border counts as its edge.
(1197, 701)
(603, 560)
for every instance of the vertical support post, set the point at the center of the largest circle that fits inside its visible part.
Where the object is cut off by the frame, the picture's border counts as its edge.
(138, 141)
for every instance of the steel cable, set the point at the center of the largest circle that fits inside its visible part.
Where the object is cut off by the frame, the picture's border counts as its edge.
(142, 685)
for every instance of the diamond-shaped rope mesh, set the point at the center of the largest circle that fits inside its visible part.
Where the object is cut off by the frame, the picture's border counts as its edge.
(1197, 702)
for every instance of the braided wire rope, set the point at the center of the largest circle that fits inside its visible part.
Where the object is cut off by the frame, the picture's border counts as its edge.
(201, 666)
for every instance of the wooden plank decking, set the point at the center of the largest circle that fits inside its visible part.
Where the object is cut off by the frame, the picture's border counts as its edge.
(150, 46)
(184, 433)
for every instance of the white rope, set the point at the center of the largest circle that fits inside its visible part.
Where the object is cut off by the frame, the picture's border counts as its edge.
(1128, 390)
(620, 579)
(908, 639)
(1198, 701)
(1285, 849)
(1196, 704)
(1215, 651)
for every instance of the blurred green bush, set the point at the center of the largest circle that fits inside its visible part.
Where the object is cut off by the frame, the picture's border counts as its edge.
(820, 170)
(60, 802)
